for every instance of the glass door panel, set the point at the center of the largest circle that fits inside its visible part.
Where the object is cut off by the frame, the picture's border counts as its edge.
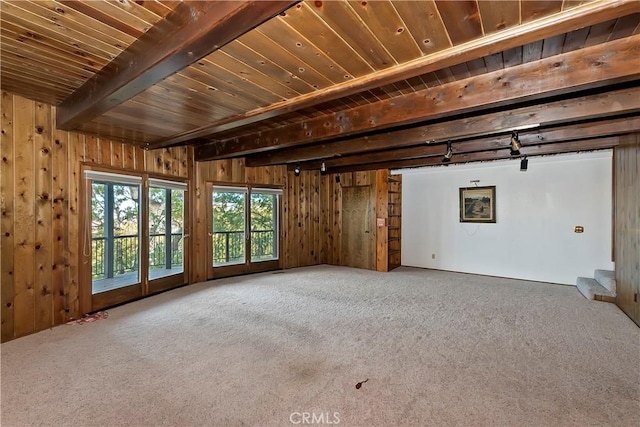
(115, 235)
(166, 232)
(229, 223)
(264, 227)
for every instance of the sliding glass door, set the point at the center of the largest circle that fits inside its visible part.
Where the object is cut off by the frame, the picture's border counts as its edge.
(133, 244)
(115, 237)
(166, 234)
(264, 225)
(229, 222)
(244, 230)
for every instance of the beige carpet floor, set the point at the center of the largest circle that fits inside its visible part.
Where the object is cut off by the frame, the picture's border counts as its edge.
(437, 348)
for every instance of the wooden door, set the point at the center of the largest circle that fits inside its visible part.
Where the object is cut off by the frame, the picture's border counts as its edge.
(358, 233)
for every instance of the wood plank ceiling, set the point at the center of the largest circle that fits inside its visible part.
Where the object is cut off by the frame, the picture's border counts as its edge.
(356, 84)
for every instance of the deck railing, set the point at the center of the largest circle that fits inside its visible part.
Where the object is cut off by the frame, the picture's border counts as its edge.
(229, 246)
(125, 254)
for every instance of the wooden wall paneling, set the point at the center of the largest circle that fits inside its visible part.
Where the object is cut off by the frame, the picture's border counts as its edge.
(326, 218)
(199, 232)
(296, 225)
(117, 154)
(237, 170)
(336, 203)
(128, 157)
(43, 216)
(299, 246)
(627, 225)
(41, 205)
(24, 260)
(287, 220)
(7, 195)
(76, 150)
(153, 160)
(59, 238)
(92, 149)
(104, 153)
(173, 155)
(317, 236)
(382, 209)
(304, 217)
(292, 225)
(139, 159)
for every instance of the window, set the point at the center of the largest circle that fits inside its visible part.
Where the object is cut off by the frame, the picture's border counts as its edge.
(115, 230)
(245, 228)
(166, 228)
(229, 221)
(264, 224)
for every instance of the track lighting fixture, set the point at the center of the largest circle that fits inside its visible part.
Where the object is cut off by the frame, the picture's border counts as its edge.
(323, 168)
(524, 163)
(515, 143)
(296, 171)
(449, 153)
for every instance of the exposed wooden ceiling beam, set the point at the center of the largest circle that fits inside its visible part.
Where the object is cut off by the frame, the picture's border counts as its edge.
(191, 31)
(571, 132)
(579, 17)
(500, 154)
(623, 101)
(602, 64)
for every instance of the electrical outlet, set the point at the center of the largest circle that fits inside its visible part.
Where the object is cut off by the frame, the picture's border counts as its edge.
(433, 256)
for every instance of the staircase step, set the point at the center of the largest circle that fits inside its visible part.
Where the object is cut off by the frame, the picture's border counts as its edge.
(606, 278)
(593, 290)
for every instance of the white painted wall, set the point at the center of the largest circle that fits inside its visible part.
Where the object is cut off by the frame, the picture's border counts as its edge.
(536, 212)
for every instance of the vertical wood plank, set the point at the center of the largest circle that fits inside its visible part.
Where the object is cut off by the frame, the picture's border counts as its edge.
(323, 220)
(337, 223)
(77, 145)
(627, 225)
(43, 212)
(117, 160)
(92, 149)
(314, 217)
(128, 157)
(139, 158)
(59, 238)
(199, 236)
(24, 256)
(286, 222)
(7, 221)
(105, 156)
(381, 191)
(238, 170)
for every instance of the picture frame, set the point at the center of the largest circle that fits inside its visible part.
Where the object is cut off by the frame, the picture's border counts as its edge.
(478, 204)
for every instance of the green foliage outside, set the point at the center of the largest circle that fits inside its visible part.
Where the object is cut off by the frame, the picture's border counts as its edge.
(125, 224)
(229, 225)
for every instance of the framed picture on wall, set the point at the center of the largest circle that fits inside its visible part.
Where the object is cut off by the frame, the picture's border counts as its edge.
(478, 204)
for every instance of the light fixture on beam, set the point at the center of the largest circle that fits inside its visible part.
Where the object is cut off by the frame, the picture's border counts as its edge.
(515, 143)
(296, 170)
(323, 168)
(524, 164)
(448, 154)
